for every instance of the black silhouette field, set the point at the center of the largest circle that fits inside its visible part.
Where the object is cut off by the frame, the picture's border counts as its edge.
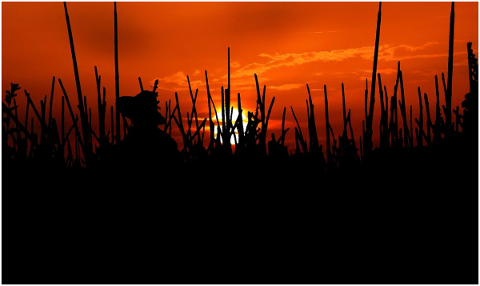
(124, 201)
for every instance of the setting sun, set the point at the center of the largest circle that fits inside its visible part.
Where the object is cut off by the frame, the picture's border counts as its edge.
(234, 116)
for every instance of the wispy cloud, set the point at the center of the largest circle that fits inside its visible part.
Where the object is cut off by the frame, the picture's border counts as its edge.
(178, 78)
(403, 52)
(289, 86)
(244, 75)
(293, 59)
(386, 52)
(234, 64)
(178, 81)
(322, 89)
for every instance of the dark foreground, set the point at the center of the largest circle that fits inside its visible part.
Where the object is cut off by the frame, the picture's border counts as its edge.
(408, 218)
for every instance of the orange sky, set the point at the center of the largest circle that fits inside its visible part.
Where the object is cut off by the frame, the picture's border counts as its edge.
(287, 44)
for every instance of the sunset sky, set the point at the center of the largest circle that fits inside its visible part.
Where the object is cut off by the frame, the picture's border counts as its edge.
(287, 44)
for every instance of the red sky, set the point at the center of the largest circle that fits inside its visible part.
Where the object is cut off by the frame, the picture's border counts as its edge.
(287, 44)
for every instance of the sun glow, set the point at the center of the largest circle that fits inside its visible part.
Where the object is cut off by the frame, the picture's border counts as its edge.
(233, 119)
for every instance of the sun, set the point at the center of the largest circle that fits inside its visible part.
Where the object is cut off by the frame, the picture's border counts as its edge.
(234, 118)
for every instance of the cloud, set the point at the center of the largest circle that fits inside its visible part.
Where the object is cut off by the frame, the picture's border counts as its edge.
(323, 90)
(234, 64)
(386, 52)
(244, 75)
(403, 52)
(178, 81)
(289, 86)
(178, 78)
(293, 59)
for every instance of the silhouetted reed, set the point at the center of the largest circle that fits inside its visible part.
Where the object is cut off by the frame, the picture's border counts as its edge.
(448, 92)
(367, 135)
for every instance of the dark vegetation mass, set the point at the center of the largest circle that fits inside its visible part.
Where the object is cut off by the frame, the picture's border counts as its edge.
(124, 204)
